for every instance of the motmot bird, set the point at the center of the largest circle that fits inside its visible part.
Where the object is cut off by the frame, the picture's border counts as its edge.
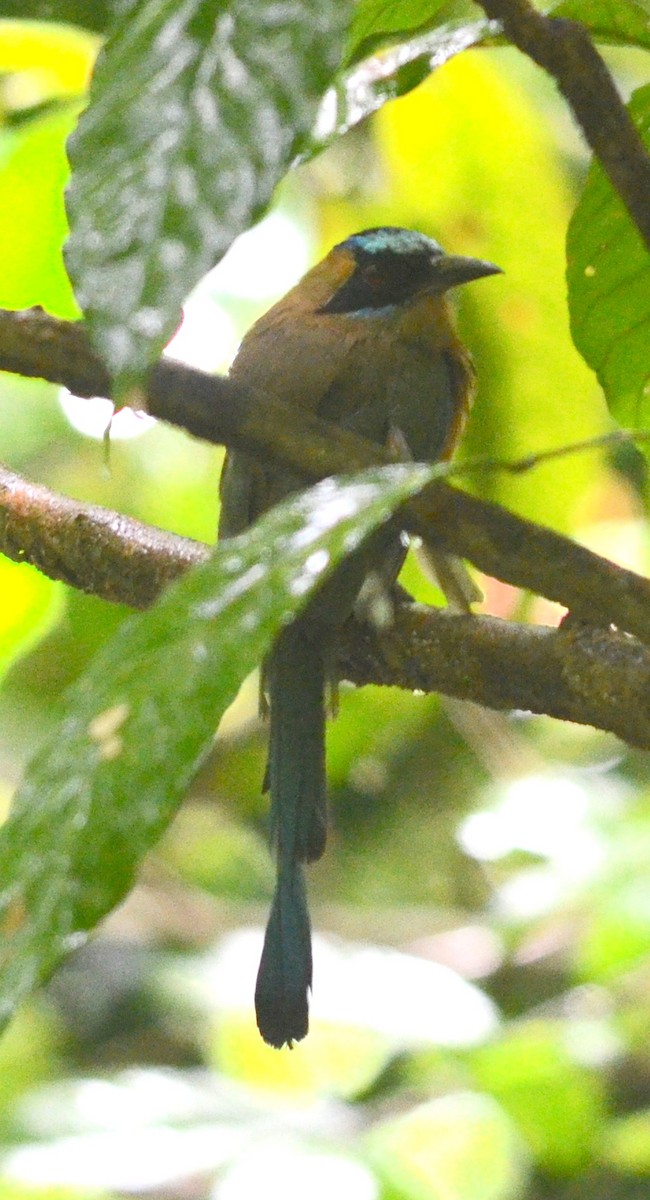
(367, 340)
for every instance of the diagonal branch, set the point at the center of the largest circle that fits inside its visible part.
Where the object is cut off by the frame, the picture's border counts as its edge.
(576, 673)
(565, 50)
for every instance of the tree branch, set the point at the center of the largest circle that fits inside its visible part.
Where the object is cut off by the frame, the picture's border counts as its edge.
(88, 547)
(576, 673)
(565, 50)
(215, 408)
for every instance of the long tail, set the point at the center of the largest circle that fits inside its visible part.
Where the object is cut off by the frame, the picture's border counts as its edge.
(284, 976)
(296, 778)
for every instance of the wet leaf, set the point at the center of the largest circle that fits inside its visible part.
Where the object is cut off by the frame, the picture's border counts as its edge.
(196, 111)
(608, 274)
(138, 723)
(370, 80)
(624, 22)
(364, 88)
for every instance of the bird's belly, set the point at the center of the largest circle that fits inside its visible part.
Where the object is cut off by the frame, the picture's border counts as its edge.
(413, 396)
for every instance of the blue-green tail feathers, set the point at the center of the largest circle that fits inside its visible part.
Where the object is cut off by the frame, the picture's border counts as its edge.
(296, 779)
(285, 972)
(296, 771)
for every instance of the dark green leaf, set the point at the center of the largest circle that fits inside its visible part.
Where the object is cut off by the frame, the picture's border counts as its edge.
(608, 275)
(619, 22)
(137, 724)
(196, 110)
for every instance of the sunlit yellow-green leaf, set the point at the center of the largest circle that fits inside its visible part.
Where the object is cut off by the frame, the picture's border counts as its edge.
(29, 1054)
(335, 1059)
(33, 226)
(471, 161)
(459, 1147)
(557, 1103)
(57, 59)
(627, 1143)
(31, 604)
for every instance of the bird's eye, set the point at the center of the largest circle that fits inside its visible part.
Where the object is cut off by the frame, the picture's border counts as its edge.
(372, 276)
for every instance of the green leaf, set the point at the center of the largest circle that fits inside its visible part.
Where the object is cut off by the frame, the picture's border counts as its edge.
(29, 1055)
(624, 22)
(626, 1143)
(31, 605)
(378, 20)
(458, 1147)
(139, 721)
(615, 928)
(618, 22)
(57, 58)
(556, 1102)
(33, 226)
(196, 111)
(608, 274)
(90, 14)
(364, 88)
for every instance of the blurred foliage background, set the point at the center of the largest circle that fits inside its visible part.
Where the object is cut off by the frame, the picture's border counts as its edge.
(482, 967)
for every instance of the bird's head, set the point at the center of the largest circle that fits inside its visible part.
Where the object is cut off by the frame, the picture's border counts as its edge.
(387, 267)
